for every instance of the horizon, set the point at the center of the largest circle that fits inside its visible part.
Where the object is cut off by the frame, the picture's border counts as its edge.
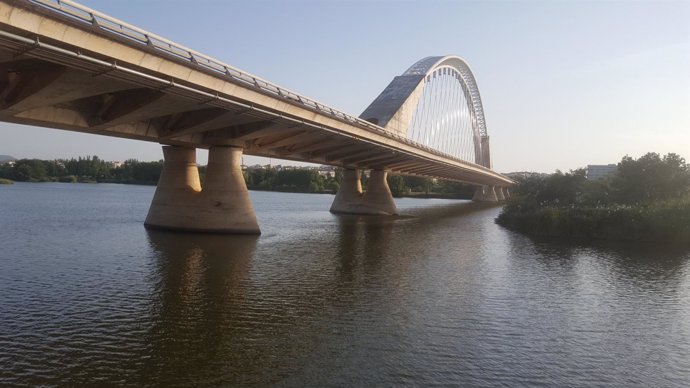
(563, 85)
(260, 161)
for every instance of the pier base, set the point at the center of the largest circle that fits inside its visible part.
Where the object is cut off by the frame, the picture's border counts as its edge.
(377, 200)
(485, 194)
(222, 206)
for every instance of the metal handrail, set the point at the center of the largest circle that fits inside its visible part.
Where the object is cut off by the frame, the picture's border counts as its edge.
(109, 24)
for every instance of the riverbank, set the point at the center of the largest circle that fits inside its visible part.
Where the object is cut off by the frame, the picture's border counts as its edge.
(646, 199)
(666, 221)
(4, 181)
(433, 196)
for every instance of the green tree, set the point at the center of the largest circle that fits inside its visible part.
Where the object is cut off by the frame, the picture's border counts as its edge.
(297, 179)
(419, 184)
(396, 184)
(651, 178)
(29, 170)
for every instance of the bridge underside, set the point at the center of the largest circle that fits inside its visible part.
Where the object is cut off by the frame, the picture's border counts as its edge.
(45, 88)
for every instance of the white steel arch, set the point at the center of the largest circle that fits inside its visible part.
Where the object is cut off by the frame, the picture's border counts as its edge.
(396, 107)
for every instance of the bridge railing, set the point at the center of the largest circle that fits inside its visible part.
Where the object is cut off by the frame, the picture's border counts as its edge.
(134, 34)
(104, 22)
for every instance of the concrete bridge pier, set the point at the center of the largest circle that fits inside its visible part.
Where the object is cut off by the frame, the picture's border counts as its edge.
(499, 194)
(221, 206)
(377, 200)
(350, 192)
(485, 194)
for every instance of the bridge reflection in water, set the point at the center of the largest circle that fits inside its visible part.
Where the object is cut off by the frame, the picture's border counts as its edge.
(200, 282)
(227, 308)
(443, 297)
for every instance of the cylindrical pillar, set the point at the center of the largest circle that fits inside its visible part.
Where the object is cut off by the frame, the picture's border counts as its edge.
(350, 192)
(178, 187)
(499, 194)
(485, 194)
(378, 198)
(222, 206)
(224, 203)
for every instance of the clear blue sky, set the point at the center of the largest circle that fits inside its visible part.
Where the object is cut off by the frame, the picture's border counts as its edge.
(564, 83)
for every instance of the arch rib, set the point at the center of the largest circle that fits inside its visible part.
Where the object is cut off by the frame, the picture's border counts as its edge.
(394, 108)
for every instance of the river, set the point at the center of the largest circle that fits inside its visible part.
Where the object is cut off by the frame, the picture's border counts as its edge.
(441, 296)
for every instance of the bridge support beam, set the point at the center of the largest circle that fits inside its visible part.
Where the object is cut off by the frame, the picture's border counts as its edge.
(222, 206)
(377, 200)
(485, 194)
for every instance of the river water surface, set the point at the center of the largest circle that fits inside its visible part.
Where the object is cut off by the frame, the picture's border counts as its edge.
(440, 296)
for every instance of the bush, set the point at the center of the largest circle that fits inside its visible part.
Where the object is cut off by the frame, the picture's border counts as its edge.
(648, 200)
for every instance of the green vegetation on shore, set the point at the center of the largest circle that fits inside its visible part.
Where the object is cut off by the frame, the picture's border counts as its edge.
(92, 169)
(295, 180)
(422, 187)
(89, 169)
(648, 199)
(308, 180)
(4, 181)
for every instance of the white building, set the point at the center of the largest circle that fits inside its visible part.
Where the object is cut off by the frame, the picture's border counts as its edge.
(599, 171)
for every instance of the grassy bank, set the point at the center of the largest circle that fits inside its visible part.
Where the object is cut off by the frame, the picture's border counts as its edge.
(4, 181)
(647, 199)
(662, 221)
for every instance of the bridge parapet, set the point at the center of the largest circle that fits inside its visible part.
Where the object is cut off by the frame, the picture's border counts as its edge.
(101, 22)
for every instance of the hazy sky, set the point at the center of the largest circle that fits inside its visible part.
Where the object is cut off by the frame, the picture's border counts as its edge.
(564, 83)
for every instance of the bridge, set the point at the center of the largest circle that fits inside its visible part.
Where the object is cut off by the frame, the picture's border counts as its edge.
(65, 66)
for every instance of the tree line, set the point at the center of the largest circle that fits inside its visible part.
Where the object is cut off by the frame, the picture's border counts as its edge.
(423, 187)
(82, 169)
(301, 180)
(309, 180)
(647, 199)
(305, 180)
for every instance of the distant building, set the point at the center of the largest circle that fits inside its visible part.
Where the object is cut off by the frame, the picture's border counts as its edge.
(254, 167)
(116, 164)
(599, 171)
(7, 159)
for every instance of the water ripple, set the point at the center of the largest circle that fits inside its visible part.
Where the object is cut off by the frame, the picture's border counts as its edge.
(443, 297)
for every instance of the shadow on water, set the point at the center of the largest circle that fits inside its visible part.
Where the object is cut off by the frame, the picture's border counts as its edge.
(449, 210)
(362, 241)
(199, 281)
(367, 240)
(640, 261)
